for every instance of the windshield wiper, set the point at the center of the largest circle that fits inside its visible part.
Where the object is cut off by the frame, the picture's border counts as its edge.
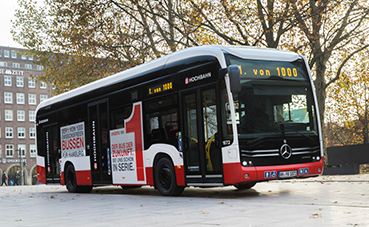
(283, 131)
(259, 140)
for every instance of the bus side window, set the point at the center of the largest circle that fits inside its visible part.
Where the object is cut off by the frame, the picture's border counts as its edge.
(162, 127)
(161, 121)
(118, 115)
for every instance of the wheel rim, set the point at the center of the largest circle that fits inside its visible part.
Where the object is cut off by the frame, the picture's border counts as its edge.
(165, 177)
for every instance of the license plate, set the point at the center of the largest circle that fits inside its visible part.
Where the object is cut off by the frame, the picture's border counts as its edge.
(287, 174)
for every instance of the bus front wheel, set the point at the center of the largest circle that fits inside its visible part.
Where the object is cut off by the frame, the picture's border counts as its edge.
(245, 186)
(165, 178)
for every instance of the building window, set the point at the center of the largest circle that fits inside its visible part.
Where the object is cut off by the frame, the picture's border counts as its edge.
(32, 150)
(43, 85)
(3, 64)
(14, 54)
(32, 132)
(20, 98)
(30, 57)
(31, 83)
(40, 67)
(32, 99)
(21, 132)
(8, 115)
(28, 66)
(20, 115)
(8, 132)
(9, 150)
(22, 148)
(8, 97)
(16, 65)
(7, 81)
(20, 82)
(6, 53)
(24, 57)
(43, 97)
(32, 116)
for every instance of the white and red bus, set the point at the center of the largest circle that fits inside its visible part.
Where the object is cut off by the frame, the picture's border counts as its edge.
(204, 116)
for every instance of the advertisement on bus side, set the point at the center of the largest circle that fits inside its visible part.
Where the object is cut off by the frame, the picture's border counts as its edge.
(123, 157)
(73, 140)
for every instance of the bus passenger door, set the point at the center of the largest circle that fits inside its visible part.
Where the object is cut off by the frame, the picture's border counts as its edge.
(99, 144)
(200, 137)
(52, 148)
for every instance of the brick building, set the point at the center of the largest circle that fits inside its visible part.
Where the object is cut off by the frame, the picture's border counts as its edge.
(19, 96)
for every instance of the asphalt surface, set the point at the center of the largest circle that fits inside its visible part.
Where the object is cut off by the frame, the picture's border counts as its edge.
(322, 201)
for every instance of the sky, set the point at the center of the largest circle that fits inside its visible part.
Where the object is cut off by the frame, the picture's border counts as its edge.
(7, 10)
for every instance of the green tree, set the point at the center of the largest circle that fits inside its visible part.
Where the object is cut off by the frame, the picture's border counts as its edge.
(129, 32)
(334, 31)
(348, 104)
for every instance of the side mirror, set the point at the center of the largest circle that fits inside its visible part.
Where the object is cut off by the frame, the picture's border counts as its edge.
(234, 77)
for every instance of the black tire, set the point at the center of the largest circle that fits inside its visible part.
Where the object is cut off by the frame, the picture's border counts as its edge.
(71, 181)
(165, 178)
(245, 186)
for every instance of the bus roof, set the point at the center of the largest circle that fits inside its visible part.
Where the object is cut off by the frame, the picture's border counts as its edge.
(254, 53)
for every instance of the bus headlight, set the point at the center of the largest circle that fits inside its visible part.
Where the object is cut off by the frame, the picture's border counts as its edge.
(318, 158)
(244, 163)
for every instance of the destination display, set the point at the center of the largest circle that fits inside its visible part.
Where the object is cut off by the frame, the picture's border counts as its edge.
(257, 69)
(158, 88)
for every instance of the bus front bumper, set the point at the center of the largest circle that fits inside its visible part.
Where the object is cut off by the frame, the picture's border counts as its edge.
(235, 173)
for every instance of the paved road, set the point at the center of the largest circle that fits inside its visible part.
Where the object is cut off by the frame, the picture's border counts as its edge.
(323, 201)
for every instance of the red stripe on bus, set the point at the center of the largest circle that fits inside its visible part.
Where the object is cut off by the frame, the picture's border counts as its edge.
(149, 176)
(180, 175)
(135, 125)
(62, 181)
(83, 177)
(41, 174)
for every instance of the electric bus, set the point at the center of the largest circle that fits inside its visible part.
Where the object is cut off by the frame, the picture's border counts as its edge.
(204, 116)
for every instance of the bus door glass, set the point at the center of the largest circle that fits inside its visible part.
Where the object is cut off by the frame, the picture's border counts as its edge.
(52, 156)
(200, 137)
(99, 144)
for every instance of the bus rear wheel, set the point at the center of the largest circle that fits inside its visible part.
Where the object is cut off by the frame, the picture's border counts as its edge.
(71, 181)
(165, 178)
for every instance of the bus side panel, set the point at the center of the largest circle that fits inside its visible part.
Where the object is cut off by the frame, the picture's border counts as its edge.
(175, 156)
(41, 174)
(81, 167)
(62, 182)
(83, 177)
(149, 176)
(180, 175)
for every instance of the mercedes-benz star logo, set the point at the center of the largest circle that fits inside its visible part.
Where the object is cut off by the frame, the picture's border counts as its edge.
(285, 151)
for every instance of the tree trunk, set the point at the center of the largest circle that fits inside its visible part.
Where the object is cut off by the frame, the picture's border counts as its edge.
(321, 95)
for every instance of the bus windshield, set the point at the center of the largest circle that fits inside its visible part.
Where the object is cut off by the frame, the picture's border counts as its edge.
(275, 101)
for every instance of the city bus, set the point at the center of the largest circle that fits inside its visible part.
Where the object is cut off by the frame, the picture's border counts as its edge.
(204, 117)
